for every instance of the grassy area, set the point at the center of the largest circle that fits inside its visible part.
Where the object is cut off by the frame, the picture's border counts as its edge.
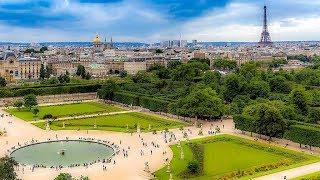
(116, 122)
(230, 157)
(64, 110)
(313, 176)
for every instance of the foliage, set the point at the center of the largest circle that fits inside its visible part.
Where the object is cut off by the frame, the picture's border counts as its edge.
(47, 116)
(30, 100)
(279, 84)
(189, 71)
(107, 91)
(225, 64)
(267, 119)
(314, 115)
(233, 86)
(18, 104)
(81, 71)
(64, 78)
(49, 71)
(123, 74)
(303, 134)
(300, 99)
(42, 72)
(173, 64)
(193, 167)
(258, 89)
(64, 176)
(160, 71)
(159, 51)
(277, 63)
(7, 165)
(201, 103)
(35, 110)
(3, 82)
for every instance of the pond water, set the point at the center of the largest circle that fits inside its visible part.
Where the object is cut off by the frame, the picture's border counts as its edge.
(63, 153)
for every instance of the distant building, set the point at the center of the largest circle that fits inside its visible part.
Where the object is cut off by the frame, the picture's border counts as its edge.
(14, 68)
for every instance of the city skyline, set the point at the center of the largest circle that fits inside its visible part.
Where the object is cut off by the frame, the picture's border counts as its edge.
(154, 21)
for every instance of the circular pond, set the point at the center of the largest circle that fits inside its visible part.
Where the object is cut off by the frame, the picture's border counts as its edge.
(62, 153)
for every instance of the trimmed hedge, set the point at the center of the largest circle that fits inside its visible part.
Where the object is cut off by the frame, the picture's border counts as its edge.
(302, 134)
(40, 91)
(150, 103)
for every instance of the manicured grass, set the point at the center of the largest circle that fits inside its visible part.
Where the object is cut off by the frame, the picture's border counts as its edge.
(116, 122)
(313, 176)
(65, 110)
(224, 156)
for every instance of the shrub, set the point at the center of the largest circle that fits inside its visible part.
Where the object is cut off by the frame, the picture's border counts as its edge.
(193, 167)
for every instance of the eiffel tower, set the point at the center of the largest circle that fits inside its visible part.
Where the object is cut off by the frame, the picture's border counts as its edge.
(265, 35)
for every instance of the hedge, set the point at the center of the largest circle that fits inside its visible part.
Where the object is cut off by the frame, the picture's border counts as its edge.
(126, 98)
(150, 103)
(40, 91)
(302, 134)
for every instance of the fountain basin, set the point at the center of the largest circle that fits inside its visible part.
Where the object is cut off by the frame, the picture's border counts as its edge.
(76, 152)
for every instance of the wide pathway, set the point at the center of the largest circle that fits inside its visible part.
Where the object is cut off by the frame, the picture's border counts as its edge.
(125, 168)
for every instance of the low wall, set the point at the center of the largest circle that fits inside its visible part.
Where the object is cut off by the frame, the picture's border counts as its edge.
(52, 98)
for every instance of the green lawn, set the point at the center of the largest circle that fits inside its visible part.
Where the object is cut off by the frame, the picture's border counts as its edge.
(224, 156)
(117, 122)
(65, 110)
(313, 176)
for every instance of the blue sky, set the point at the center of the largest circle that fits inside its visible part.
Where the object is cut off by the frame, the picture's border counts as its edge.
(156, 20)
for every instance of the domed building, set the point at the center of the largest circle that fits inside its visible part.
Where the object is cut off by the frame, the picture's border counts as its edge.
(97, 44)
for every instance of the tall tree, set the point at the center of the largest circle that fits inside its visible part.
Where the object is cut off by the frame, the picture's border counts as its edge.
(268, 119)
(30, 100)
(300, 99)
(107, 91)
(7, 165)
(201, 103)
(49, 70)
(81, 71)
(42, 72)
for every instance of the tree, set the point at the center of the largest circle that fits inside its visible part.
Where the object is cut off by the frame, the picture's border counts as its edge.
(107, 91)
(190, 71)
(63, 176)
(67, 176)
(123, 74)
(173, 64)
(43, 49)
(233, 86)
(159, 51)
(267, 119)
(161, 71)
(314, 115)
(279, 84)
(193, 167)
(30, 100)
(18, 104)
(7, 165)
(3, 82)
(258, 89)
(81, 71)
(42, 72)
(201, 103)
(49, 70)
(224, 64)
(300, 99)
(35, 110)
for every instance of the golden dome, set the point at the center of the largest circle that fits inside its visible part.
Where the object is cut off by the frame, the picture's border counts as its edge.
(97, 40)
